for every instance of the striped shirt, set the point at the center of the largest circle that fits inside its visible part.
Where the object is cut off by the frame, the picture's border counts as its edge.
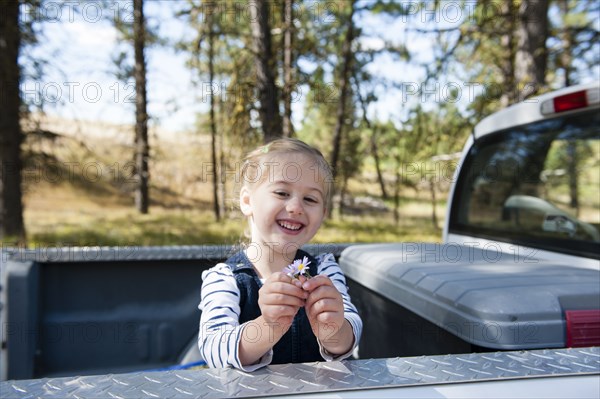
(220, 331)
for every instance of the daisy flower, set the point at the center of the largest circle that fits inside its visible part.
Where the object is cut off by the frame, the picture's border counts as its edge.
(297, 268)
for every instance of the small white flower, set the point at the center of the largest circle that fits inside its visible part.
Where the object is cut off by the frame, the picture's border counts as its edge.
(297, 268)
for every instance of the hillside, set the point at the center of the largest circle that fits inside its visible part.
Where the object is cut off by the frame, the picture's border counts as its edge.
(79, 191)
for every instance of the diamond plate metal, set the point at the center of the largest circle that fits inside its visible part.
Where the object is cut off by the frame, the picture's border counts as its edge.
(316, 377)
(139, 253)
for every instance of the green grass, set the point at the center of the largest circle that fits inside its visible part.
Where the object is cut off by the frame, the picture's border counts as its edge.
(378, 229)
(160, 227)
(175, 227)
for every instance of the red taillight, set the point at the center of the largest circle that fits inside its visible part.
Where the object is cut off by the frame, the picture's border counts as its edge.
(571, 101)
(583, 328)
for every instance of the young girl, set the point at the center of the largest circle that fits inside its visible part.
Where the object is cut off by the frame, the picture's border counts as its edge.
(254, 312)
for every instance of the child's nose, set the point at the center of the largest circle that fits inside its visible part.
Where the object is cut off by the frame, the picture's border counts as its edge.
(294, 205)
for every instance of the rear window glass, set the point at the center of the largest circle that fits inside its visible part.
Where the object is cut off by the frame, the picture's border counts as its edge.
(536, 185)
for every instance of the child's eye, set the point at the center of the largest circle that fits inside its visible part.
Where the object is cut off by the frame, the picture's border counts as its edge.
(311, 200)
(281, 194)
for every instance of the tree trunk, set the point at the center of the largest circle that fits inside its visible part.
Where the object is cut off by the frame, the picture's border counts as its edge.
(343, 195)
(11, 205)
(142, 146)
(222, 159)
(532, 55)
(397, 190)
(375, 154)
(288, 128)
(509, 93)
(222, 162)
(374, 149)
(265, 78)
(573, 174)
(566, 56)
(343, 89)
(565, 61)
(434, 220)
(213, 127)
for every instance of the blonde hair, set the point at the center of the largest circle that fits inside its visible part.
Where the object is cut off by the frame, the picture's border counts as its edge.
(286, 146)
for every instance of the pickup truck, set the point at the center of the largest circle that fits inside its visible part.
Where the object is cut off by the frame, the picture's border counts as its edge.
(509, 303)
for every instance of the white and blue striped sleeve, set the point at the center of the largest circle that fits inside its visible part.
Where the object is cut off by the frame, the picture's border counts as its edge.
(220, 331)
(329, 267)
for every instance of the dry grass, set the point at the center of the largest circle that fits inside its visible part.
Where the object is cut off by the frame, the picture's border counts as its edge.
(65, 216)
(78, 191)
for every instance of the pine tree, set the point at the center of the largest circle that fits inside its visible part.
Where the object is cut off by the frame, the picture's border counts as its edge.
(11, 205)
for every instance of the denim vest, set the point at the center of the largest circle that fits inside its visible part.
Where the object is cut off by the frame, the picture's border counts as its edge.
(299, 344)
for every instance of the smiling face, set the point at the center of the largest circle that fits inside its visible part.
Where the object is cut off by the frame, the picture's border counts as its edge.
(286, 206)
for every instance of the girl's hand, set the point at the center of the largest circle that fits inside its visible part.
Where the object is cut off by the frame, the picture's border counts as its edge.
(324, 308)
(279, 299)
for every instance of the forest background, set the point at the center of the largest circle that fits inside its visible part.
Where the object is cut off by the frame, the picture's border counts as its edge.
(136, 138)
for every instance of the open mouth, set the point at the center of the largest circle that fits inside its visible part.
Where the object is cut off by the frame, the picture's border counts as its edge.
(290, 226)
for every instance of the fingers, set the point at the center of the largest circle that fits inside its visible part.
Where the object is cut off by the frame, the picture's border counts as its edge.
(277, 312)
(280, 283)
(279, 298)
(279, 276)
(278, 308)
(276, 299)
(300, 280)
(317, 294)
(326, 317)
(316, 282)
(322, 288)
(324, 304)
(323, 301)
(316, 304)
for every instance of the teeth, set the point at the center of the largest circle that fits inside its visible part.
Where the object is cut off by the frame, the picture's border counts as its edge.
(290, 226)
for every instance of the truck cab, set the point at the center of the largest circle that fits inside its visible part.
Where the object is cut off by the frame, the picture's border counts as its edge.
(529, 179)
